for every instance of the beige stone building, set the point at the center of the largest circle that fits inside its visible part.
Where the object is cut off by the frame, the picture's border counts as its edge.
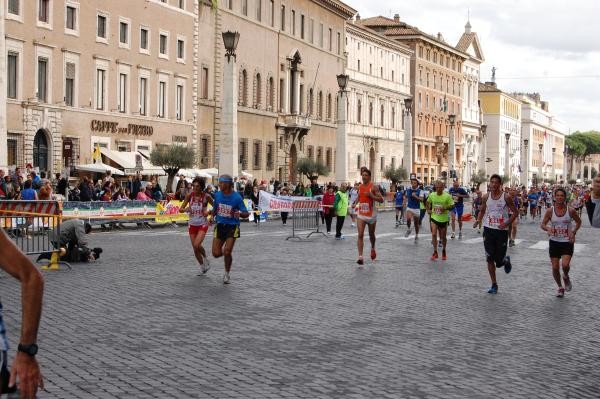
(436, 87)
(379, 71)
(288, 56)
(119, 74)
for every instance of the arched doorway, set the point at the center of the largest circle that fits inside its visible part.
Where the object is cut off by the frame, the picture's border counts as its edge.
(293, 162)
(40, 151)
(372, 162)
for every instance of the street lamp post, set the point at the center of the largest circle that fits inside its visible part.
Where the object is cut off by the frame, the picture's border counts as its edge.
(484, 149)
(451, 150)
(554, 176)
(407, 160)
(507, 158)
(541, 170)
(526, 163)
(228, 149)
(341, 160)
(566, 164)
(467, 171)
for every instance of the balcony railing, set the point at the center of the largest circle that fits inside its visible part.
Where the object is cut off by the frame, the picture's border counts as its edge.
(299, 121)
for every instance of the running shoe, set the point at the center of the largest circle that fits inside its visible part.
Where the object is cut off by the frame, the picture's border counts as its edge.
(205, 266)
(373, 254)
(452, 236)
(493, 289)
(568, 285)
(397, 224)
(226, 278)
(478, 231)
(416, 237)
(507, 265)
(360, 261)
(353, 224)
(560, 293)
(444, 257)
(434, 256)
(407, 232)
(440, 243)
(460, 235)
(511, 243)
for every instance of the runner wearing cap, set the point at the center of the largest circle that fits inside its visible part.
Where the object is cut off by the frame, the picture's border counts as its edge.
(368, 193)
(198, 223)
(412, 204)
(228, 207)
(458, 195)
(562, 238)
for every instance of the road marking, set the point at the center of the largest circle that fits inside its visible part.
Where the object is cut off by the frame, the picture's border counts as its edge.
(545, 244)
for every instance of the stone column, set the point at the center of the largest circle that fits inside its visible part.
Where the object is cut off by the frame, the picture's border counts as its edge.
(407, 160)
(341, 159)
(3, 78)
(451, 152)
(229, 152)
(507, 160)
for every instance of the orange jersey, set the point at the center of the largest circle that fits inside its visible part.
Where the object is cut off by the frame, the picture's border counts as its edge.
(366, 204)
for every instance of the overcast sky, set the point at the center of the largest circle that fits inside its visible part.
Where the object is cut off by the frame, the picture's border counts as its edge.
(546, 46)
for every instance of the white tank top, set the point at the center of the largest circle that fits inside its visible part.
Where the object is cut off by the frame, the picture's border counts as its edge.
(496, 212)
(561, 226)
(197, 217)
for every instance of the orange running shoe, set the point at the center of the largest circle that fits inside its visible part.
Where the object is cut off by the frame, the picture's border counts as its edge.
(434, 256)
(373, 254)
(444, 257)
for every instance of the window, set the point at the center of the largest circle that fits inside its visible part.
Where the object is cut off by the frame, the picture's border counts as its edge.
(259, 10)
(358, 66)
(42, 86)
(101, 27)
(204, 82)
(71, 18)
(382, 115)
(283, 18)
(393, 76)
(100, 88)
(144, 39)
(359, 112)
(179, 102)
(122, 93)
(393, 117)
(270, 94)
(330, 39)
(12, 67)
(245, 7)
(282, 95)
(123, 33)
(294, 22)
(162, 99)
(258, 91)
(301, 26)
(339, 43)
(70, 84)
(163, 43)
(44, 11)
(311, 31)
(321, 33)
(243, 148)
(358, 161)
(14, 8)
(243, 99)
(382, 163)
(370, 113)
(320, 105)
(181, 4)
(370, 69)
(329, 105)
(143, 96)
(272, 12)
(204, 149)
(270, 155)
(328, 159)
(180, 49)
(256, 154)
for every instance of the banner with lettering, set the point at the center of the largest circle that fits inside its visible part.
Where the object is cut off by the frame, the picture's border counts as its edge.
(270, 202)
(102, 209)
(168, 212)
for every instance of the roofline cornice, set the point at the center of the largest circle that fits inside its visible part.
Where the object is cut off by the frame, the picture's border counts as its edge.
(377, 38)
(426, 38)
(338, 7)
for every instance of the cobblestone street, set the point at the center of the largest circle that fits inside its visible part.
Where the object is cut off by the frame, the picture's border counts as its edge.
(300, 320)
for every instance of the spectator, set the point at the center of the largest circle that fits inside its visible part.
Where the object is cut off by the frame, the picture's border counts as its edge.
(62, 186)
(36, 180)
(157, 192)
(328, 211)
(85, 194)
(142, 196)
(285, 192)
(3, 188)
(28, 194)
(136, 186)
(254, 199)
(9, 187)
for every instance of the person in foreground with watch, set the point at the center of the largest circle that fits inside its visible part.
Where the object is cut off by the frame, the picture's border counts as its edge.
(25, 368)
(562, 238)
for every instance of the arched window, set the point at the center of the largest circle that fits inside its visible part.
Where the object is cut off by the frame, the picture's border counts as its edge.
(311, 102)
(393, 117)
(329, 106)
(370, 113)
(359, 112)
(258, 91)
(382, 115)
(270, 94)
(244, 88)
(320, 105)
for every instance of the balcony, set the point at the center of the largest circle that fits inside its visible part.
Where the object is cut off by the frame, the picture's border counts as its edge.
(298, 122)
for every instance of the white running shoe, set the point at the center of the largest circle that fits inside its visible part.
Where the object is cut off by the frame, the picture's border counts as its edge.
(453, 236)
(407, 233)
(205, 266)
(460, 235)
(353, 224)
(226, 278)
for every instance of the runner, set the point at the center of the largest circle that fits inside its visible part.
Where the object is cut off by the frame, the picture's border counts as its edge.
(198, 223)
(228, 207)
(562, 238)
(438, 204)
(458, 195)
(592, 205)
(533, 203)
(513, 226)
(494, 215)
(353, 197)
(399, 199)
(476, 206)
(368, 193)
(412, 200)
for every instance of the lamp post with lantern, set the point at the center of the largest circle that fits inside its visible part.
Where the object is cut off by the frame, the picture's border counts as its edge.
(451, 150)
(526, 162)
(541, 167)
(228, 149)
(407, 160)
(507, 158)
(554, 175)
(341, 159)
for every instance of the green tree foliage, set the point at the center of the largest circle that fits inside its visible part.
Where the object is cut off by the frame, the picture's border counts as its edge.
(171, 159)
(311, 169)
(479, 177)
(395, 175)
(582, 144)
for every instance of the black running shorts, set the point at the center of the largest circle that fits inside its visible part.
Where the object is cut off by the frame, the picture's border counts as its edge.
(495, 244)
(225, 231)
(559, 249)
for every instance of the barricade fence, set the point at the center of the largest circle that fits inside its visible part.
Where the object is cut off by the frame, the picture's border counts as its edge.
(306, 217)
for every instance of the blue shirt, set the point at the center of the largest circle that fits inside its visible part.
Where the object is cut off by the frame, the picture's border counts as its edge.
(533, 199)
(3, 340)
(226, 205)
(412, 202)
(28, 194)
(458, 191)
(399, 197)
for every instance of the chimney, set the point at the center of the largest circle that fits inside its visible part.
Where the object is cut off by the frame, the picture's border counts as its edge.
(396, 17)
(358, 17)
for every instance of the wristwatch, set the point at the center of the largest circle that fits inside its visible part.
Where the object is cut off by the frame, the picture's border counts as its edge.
(30, 349)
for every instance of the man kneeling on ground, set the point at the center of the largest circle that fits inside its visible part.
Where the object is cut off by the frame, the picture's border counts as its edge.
(73, 243)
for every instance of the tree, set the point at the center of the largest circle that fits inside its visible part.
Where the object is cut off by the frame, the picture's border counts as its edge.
(479, 177)
(311, 169)
(505, 179)
(171, 159)
(395, 175)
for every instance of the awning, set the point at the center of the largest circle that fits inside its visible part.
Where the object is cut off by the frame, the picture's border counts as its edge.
(193, 173)
(99, 168)
(210, 171)
(247, 175)
(127, 161)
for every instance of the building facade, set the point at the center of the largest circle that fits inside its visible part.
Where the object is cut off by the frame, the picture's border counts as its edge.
(379, 72)
(545, 134)
(288, 56)
(120, 75)
(502, 116)
(472, 144)
(436, 87)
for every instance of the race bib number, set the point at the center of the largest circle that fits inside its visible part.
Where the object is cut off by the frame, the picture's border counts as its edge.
(495, 221)
(364, 207)
(438, 209)
(225, 210)
(561, 232)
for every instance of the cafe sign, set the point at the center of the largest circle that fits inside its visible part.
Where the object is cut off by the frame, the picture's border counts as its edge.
(114, 127)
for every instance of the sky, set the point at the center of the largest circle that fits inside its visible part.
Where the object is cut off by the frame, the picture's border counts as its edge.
(551, 47)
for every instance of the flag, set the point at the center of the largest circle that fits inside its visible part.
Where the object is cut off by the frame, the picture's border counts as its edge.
(97, 155)
(520, 170)
(545, 134)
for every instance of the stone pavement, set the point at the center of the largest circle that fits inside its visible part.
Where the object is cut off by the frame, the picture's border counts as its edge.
(300, 320)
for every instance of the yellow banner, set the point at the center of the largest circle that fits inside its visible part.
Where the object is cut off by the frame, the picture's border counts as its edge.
(169, 212)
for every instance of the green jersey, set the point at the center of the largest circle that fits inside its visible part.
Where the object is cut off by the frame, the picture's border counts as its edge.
(440, 204)
(341, 203)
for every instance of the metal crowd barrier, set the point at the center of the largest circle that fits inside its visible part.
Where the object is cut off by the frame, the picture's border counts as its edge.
(34, 227)
(305, 218)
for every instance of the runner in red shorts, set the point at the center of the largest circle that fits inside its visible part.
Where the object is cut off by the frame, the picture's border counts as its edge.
(198, 201)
